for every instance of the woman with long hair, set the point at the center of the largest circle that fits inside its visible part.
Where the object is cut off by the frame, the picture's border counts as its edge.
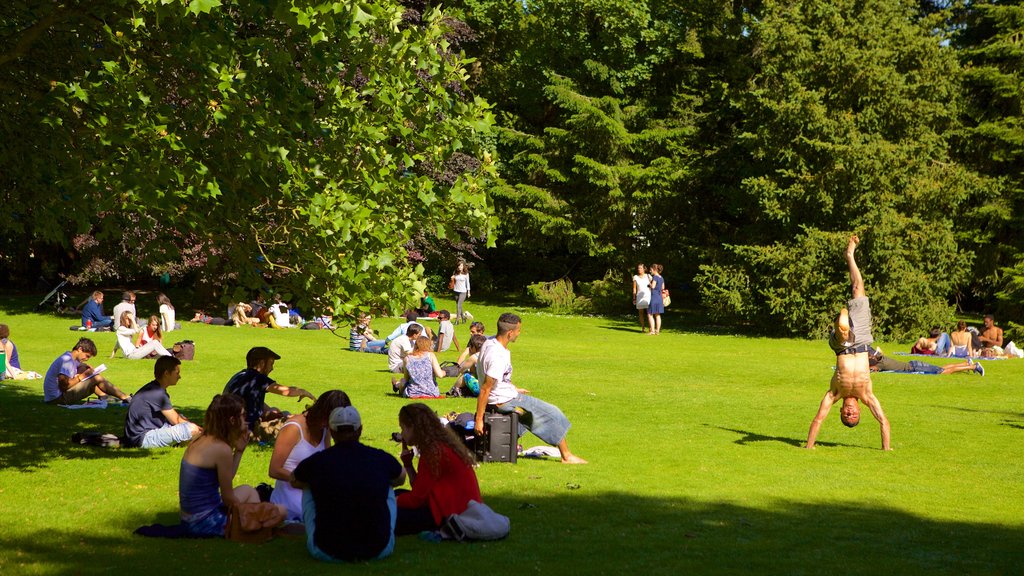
(960, 342)
(443, 483)
(641, 294)
(150, 332)
(460, 285)
(166, 312)
(208, 468)
(422, 370)
(125, 332)
(657, 306)
(301, 436)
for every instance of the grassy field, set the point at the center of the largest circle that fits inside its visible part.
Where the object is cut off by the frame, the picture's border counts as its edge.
(693, 441)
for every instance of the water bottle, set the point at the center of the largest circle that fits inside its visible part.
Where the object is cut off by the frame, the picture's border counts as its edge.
(88, 324)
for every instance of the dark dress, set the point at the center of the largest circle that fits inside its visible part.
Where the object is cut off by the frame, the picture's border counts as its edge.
(657, 305)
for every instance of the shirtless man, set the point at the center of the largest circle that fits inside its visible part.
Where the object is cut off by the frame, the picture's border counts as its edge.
(851, 339)
(992, 335)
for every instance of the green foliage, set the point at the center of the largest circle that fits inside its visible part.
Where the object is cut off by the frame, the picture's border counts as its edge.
(846, 128)
(306, 141)
(558, 297)
(609, 295)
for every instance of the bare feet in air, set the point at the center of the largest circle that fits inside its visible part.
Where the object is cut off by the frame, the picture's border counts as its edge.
(851, 246)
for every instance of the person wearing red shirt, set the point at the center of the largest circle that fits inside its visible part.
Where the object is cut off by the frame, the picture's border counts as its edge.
(444, 482)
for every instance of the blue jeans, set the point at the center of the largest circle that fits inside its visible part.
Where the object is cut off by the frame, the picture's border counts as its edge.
(943, 346)
(545, 420)
(375, 347)
(309, 519)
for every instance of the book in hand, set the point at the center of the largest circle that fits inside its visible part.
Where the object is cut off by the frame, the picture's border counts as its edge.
(97, 370)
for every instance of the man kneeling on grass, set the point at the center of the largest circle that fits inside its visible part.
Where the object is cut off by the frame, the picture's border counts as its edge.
(152, 422)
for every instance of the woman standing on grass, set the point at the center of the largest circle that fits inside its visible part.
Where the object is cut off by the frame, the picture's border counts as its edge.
(302, 436)
(460, 285)
(422, 371)
(444, 482)
(657, 305)
(208, 467)
(641, 294)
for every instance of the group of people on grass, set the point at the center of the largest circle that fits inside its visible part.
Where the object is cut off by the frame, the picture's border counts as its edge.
(340, 490)
(856, 358)
(964, 342)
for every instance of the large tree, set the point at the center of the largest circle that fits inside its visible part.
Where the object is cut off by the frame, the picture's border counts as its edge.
(845, 127)
(303, 143)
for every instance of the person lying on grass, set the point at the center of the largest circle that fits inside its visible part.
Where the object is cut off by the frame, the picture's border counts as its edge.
(851, 340)
(881, 363)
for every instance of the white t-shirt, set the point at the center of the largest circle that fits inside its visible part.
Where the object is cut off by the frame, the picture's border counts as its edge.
(280, 312)
(166, 318)
(496, 361)
(446, 331)
(397, 351)
(121, 308)
(124, 339)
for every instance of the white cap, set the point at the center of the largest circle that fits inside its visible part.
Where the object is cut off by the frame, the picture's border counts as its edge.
(345, 416)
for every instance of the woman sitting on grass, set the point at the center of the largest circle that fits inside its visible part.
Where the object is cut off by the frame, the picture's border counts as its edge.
(241, 315)
(466, 385)
(150, 332)
(444, 482)
(422, 371)
(208, 467)
(130, 350)
(302, 436)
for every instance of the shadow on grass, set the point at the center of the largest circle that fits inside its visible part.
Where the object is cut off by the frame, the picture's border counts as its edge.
(976, 411)
(38, 432)
(751, 437)
(579, 533)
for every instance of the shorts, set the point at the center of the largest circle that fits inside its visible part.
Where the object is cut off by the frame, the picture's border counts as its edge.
(167, 435)
(860, 326)
(209, 524)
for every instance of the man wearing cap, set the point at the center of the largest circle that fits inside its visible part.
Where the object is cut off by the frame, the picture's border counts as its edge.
(851, 341)
(348, 500)
(253, 383)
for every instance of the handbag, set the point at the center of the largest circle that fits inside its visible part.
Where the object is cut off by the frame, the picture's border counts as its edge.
(665, 297)
(252, 522)
(451, 283)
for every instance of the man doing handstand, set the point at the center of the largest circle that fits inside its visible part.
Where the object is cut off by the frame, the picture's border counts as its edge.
(851, 339)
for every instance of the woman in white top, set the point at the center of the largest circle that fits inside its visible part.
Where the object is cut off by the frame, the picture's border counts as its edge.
(125, 332)
(302, 436)
(460, 285)
(166, 313)
(641, 294)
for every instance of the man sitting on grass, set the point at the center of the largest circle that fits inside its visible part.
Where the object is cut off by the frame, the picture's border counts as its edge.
(152, 421)
(348, 501)
(253, 383)
(851, 340)
(70, 380)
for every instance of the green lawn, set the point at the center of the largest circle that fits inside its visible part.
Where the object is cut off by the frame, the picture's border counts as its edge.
(693, 441)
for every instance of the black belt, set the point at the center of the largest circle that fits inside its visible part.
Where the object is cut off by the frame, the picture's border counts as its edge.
(855, 349)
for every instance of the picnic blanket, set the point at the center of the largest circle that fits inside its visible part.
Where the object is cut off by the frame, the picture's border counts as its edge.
(947, 357)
